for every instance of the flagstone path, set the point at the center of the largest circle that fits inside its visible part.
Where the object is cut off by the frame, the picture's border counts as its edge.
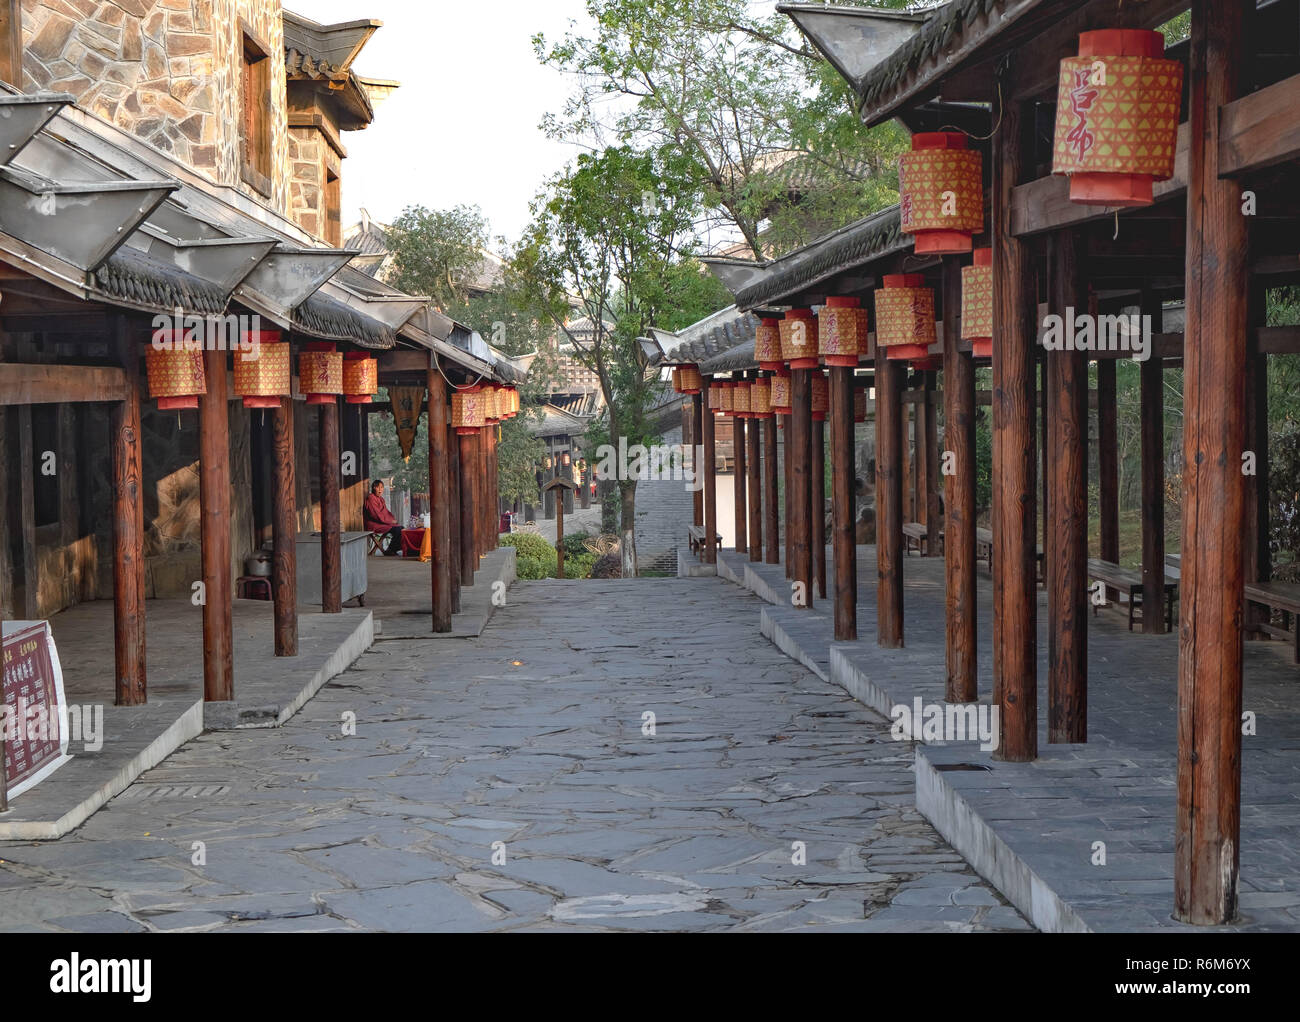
(607, 755)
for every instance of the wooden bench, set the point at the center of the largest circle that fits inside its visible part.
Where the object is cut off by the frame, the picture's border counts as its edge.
(1283, 596)
(984, 551)
(914, 537)
(695, 535)
(1129, 582)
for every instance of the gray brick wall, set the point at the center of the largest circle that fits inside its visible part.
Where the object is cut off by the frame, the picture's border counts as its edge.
(665, 508)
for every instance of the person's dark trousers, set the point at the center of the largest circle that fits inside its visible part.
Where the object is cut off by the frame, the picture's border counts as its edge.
(391, 544)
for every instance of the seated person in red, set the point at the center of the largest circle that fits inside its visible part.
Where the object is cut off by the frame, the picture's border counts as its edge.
(381, 522)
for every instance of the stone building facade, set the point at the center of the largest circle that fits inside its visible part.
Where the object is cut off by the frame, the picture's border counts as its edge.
(169, 72)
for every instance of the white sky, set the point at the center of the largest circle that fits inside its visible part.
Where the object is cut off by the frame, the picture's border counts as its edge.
(463, 128)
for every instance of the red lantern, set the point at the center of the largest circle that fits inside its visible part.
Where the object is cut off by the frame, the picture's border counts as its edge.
(799, 339)
(905, 316)
(841, 332)
(715, 398)
(782, 394)
(264, 373)
(821, 397)
(760, 398)
(927, 365)
(767, 344)
(320, 373)
(1117, 107)
(360, 378)
(977, 303)
(467, 411)
(941, 193)
(176, 376)
(726, 398)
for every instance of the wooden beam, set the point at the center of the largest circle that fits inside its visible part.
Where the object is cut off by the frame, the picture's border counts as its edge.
(214, 518)
(60, 384)
(961, 601)
(771, 507)
(1260, 130)
(11, 71)
(1067, 510)
(1207, 841)
(889, 502)
(844, 504)
(129, 647)
(331, 514)
(404, 360)
(1015, 502)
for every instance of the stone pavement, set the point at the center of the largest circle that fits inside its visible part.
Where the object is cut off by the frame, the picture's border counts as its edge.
(507, 783)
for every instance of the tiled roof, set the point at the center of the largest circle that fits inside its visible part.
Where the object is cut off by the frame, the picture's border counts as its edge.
(877, 235)
(323, 317)
(711, 336)
(304, 65)
(738, 359)
(133, 277)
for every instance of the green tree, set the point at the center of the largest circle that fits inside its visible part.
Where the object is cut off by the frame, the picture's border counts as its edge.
(770, 128)
(610, 234)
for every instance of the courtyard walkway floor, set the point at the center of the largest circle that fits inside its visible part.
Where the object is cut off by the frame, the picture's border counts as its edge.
(606, 755)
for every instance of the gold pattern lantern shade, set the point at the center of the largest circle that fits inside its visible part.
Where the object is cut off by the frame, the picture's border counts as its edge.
(491, 398)
(1117, 110)
(782, 396)
(263, 369)
(977, 303)
(941, 193)
(320, 373)
(176, 376)
(767, 344)
(360, 378)
(689, 378)
(905, 316)
(715, 397)
(799, 339)
(467, 416)
(760, 398)
(841, 332)
(821, 397)
(726, 398)
(740, 398)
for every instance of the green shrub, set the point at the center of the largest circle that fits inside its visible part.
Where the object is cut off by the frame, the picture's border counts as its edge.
(579, 565)
(535, 568)
(573, 544)
(529, 545)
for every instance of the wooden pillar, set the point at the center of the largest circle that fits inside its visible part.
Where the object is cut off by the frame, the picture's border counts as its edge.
(284, 531)
(754, 488)
(214, 518)
(708, 438)
(468, 552)
(799, 483)
(771, 510)
(697, 453)
(1207, 842)
(817, 504)
(1015, 310)
(483, 494)
(843, 505)
(439, 502)
(739, 489)
(129, 647)
(1067, 508)
(959, 503)
(1258, 558)
(920, 484)
(331, 514)
(1152, 386)
(559, 535)
(933, 517)
(1108, 463)
(905, 453)
(786, 506)
(453, 516)
(889, 500)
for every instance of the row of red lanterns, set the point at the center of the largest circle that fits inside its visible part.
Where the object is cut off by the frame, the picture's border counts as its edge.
(482, 406)
(769, 396)
(262, 375)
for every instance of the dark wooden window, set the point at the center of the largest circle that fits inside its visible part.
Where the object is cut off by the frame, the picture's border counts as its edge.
(45, 469)
(255, 97)
(11, 42)
(333, 212)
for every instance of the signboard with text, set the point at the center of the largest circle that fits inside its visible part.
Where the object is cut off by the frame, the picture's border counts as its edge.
(32, 712)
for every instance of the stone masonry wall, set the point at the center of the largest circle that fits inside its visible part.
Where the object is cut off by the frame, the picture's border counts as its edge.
(165, 70)
(311, 157)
